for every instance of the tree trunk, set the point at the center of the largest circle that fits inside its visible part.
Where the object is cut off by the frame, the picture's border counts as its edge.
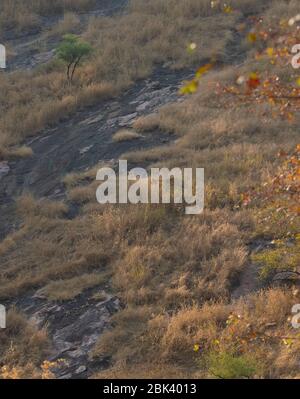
(74, 68)
(68, 72)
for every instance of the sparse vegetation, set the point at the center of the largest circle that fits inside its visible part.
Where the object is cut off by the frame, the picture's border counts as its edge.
(21, 17)
(228, 366)
(126, 48)
(68, 289)
(23, 347)
(125, 135)
(176, 275)
(71, 51)
(69, 24)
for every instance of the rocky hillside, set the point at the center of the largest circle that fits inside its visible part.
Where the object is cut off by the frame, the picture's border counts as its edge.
(126, 291)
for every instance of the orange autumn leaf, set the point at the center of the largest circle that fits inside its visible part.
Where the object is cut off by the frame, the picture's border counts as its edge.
(253, 81)
(202, 70)
(296, 209)
(282, 153)
(246, 199)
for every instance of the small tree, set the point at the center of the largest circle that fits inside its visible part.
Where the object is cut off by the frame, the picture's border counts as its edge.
(71, 51)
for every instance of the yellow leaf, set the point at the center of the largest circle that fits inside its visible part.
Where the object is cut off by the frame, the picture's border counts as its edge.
(252, 37)
(190, 87)
(203, 70)
(227, 9)
(270, 51)
(196, 348)
(287, 341)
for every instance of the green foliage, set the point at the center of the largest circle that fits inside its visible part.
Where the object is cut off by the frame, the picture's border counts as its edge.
(71, 51)
(228, 366)
(284, 257)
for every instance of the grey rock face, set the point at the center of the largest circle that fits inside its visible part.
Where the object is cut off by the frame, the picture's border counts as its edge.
(4, 168)
(286, 276)
(74, 328)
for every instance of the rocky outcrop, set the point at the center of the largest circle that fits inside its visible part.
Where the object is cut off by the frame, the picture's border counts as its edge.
(73, 327)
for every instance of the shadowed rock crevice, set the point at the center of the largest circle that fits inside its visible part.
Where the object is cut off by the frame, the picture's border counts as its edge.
(74, 327)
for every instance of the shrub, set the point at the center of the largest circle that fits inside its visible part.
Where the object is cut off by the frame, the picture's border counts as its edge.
(229, 366)
(71, 51)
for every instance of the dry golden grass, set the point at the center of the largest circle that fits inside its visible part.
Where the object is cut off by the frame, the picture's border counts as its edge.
(22, 345)
(160, 341)
(28, 207)
(22, 16)
(147, 123)
(75, 179)
(175, 274)
(69, 24)
(63, 290)
(82, 194)
(126, 48)
(125, 135)
(16, 153)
